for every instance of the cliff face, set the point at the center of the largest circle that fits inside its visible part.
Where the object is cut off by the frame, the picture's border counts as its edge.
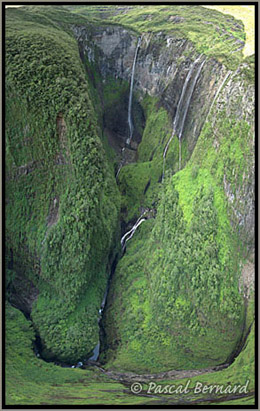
(63, 202)
(205, 214)
(237, 102)
(162, 66)
(163, 63)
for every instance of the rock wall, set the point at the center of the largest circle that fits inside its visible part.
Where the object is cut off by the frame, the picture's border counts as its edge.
(162, 65)
(237, 99)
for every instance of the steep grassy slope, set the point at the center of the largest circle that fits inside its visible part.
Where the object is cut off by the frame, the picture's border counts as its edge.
(247, 15)
(62, 200)
(177, 293)
(213, 34)
(31, 381)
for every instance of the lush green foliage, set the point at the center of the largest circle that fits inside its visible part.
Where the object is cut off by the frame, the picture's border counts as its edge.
(181, 307)
(33, 381)
(174, 300)
(181, 277)
(62, 198)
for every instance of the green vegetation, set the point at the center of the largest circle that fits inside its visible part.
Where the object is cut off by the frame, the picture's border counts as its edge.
(181, 272)
(61, 193)
(181, 308)
(175, 300)
(213, 33)
(31, 381)
(247, 15)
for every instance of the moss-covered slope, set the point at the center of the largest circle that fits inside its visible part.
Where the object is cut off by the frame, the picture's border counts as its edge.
(62, 200)
(31, 381)
(178, 293)
(178, 298)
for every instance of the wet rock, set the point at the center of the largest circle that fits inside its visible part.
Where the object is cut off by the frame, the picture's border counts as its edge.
(161, 69)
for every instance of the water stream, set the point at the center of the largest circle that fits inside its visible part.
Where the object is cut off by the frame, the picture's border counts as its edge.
(217, 93)
(183, 106)
(127, 236)
(130, 123)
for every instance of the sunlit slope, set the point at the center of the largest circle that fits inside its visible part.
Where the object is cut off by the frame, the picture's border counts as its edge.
(247, 15)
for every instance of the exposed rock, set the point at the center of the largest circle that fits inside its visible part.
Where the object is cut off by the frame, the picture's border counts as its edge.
(173, 374)
(176, 19)
(247, 281)
(237, 98)
(161, 68)
(23, 293)
(63, 154)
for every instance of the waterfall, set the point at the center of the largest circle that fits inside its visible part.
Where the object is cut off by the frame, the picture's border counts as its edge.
(127, 236)
(96, 350)
(95, 353)
(118, 171)
(131, 94)
(121, 162)
(179, 154)
(217, 93)
(183, 106)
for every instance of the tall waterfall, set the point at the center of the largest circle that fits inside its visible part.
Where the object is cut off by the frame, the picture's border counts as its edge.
(183, 106)
(131, 94)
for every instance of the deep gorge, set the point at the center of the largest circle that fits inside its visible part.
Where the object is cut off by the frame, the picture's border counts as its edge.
(172, 174)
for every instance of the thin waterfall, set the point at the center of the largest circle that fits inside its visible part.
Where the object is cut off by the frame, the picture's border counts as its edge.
(121, 162)
(179, 154)
(95, 353)
(217, 93)
(183, 106)
(188, 99)
(118, 171)
(96, 350)
(131, 93)
(127, 236)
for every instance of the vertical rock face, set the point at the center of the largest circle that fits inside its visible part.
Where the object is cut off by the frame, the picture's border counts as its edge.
(161, 68)
(237, 102)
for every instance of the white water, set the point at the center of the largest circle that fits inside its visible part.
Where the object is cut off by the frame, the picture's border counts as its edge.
(118, 171)
(127, 236)
(131, 94)
(188, 97)
(95, 352)
(217, 93)
(184, 102)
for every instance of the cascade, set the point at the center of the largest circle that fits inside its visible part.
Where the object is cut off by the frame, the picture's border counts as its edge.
(131, 93)
(183, 106)
(217, 93)
(96, 350)
(119, 168)
(127, 236)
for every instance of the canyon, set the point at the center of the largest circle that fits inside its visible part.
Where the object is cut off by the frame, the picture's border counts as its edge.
(141, 135)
